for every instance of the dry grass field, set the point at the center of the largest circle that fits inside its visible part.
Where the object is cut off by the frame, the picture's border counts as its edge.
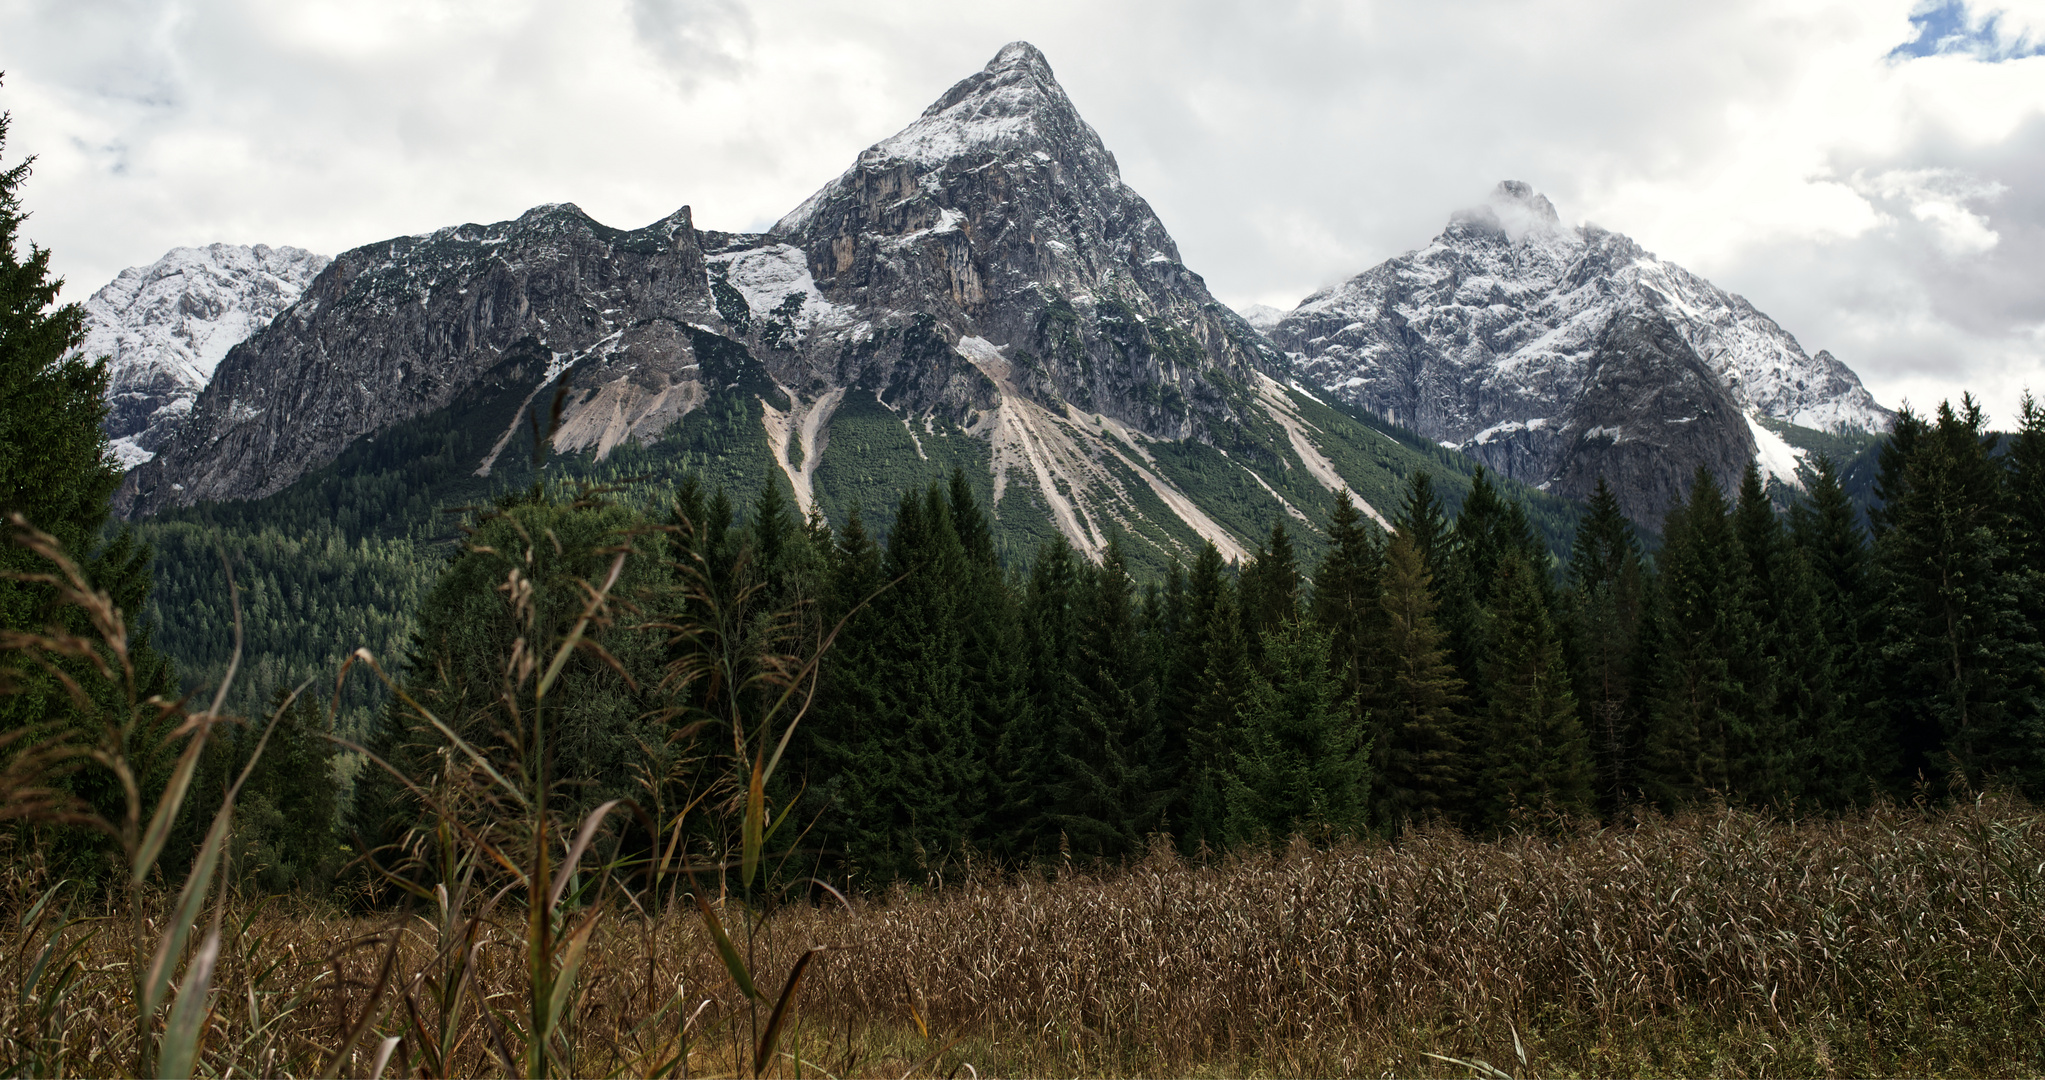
(1906, 941)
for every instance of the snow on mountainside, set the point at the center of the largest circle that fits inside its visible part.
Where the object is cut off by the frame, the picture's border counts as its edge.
(165, 327)
(1492, 337)
(1261, 316)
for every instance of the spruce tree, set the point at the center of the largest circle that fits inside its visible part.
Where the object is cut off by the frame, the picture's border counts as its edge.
(1104, 799)
(1301, 760)
(57, 473)
(1348, 587)
(1270, 585)
(928, 812)
(1793, 702)
(1532, 741)
(1959, 654)
(1420, 765)
(1825, 528)
(1605, 605)
(1030, 766)
(1422, 517)
(1222, 683)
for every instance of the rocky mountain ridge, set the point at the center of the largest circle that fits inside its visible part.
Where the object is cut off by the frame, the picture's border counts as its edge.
(165, 327)
(1498, 338)
(979, 291)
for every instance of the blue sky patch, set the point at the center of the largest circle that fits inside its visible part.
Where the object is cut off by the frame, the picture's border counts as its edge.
(1948, 27)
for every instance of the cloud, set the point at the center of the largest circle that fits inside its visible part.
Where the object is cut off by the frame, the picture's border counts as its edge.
(1880, 201)
(1953, 27)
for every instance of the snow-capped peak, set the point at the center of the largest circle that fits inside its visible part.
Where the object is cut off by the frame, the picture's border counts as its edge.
(165, 327)
(1013, 106)
(1515, 209)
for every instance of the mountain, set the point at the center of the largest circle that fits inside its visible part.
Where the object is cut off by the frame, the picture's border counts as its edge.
(1557, 354)
(980, 291)
(165, 327)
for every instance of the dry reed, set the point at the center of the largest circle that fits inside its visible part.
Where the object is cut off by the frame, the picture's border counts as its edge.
(1904, 941)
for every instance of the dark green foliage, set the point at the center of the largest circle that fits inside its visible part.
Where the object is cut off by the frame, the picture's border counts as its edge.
(602, 717)
(57, 474)
(1535, 755)
(1301, 760)
(1420, 748)
(1958, 657)
(1605, 605)
(1710, 726)
(286, 827)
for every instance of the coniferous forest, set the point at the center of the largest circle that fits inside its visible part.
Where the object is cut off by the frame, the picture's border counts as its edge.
(1450, 671)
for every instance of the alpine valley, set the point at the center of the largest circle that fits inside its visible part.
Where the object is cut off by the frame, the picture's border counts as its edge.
(981, 293)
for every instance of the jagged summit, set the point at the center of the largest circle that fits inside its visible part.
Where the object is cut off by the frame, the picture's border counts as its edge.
(1014, 101)
(1494, 338)
(1515, 209)
(165, 327)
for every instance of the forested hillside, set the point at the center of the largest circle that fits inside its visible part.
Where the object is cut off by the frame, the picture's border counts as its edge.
(1440, 671)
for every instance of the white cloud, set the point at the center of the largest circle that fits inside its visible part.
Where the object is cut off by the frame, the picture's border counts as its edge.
(1888, 208)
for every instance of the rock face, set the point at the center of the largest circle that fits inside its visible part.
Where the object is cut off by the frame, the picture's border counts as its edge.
(1000, 215)
(983, 278)
(394, 330)
(165, 327)
(1494, 339)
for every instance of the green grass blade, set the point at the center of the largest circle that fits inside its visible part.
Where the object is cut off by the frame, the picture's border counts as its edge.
(188, 1015)
(733, 963)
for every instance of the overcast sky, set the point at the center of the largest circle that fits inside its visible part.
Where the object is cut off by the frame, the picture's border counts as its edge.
(1869, 172)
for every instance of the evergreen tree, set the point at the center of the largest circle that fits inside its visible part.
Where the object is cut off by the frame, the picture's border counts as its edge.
(1029, 751)
(1960, 657)
(1221, 682)
(1795, 703)
(1423, 518)
(1706, 729)
(1105, 800)
(926, 809)
(1420, 769)
(56, 472)
(1534, 749)
(1348, 589)
(1270, 586)
(991, 655)
(1301, 759)
(1825, 528)
(1606, 602)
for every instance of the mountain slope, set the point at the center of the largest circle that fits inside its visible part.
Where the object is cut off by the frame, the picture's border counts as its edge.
(1491, 338)
(165, 327)
(980, 291)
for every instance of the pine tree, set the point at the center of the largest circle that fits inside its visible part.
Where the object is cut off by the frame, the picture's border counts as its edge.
(1534, 749)
(1423, 518)
(1030, 765)
(1270, 585)
(56, 472)
(1221, 684)
(1301, 759)
(1348, 588)
(1606, 602)
(1825, 528)
(991, 654)
(1420, 769)
(1703, 731)
(1104, 800)
(928, 812)
(1793, 700)
(1960, 656)
(1191, 605)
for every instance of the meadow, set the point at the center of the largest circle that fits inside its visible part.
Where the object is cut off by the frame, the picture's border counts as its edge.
(1903, 941)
